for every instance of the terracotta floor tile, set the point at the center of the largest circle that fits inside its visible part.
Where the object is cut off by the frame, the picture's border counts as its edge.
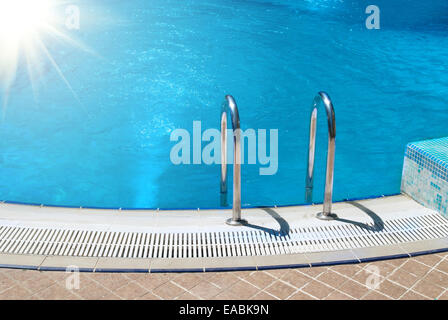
(168, 291)
(130, 291)
(317, 289)
(280, 290)
(374, 295)
(416, 268)
(392, 290)
(437, 277)
(278, 273)
(243, 290)
(369, 277)
(188, 280)
(296, 279)
(261, 279)
(109, 296)
(353, 289)
(15, 293)
(404, 278)
(93, 292)
(57, 292)
(397, 262)
(263, 296)
(243, 274)
(22, 275)
(136, 276)
(428, 289)
(444, 296)
(442, 254)
(332, 279)
(153, 280)
(6, 282)
(335, 295)
(222, 280)
(410, 295)
(428, 259)
(205, 290)
(150, 296)
(56, 276)
(301, 296)
(111, 281)
(285, 283)
(185, 296)
(384, 268)
(443, 266)
(226, 295)
(312, 272)
(39, 284)
(84, 281)
(348, 270)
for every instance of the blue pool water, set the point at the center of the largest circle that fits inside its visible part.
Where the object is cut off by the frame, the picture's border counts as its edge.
(155, 66)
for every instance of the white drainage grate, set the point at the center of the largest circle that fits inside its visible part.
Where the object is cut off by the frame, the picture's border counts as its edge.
(338, 236)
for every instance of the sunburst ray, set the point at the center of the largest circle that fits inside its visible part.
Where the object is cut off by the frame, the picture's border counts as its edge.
(24, 27)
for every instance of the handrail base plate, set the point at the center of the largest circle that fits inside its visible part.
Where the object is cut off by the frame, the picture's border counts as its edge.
(236, 223)
(327, 217)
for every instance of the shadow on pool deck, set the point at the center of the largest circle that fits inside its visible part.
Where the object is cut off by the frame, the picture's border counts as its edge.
(378, 224)
(284, 225)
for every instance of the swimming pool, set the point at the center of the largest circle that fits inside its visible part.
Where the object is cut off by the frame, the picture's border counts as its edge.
(154, 66)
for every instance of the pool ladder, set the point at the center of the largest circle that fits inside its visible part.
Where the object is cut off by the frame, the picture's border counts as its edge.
(323, 98)
(230, 106)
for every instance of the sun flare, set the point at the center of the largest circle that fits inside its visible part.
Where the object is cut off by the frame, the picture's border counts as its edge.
(24, 27)
(20, 19)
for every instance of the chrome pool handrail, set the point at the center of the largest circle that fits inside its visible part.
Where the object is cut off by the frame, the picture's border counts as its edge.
(328, 195)
(229, 105)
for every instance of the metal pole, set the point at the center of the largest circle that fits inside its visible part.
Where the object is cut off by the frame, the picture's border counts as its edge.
(229, 105)
(322, 97)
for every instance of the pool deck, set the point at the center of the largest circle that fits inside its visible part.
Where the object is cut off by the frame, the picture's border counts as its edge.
(418, 278)
(36, 238)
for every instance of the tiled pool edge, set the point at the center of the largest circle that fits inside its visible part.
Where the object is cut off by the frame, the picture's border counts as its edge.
(405, 243)
(425, 173)
(202, 265)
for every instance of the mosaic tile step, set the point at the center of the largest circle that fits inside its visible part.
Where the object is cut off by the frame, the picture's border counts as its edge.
(425, 173)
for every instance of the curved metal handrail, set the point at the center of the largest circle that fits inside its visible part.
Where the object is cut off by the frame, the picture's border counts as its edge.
(229, 105)
(328, 196)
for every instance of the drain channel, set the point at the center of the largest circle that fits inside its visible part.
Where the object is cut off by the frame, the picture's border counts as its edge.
(339, 236)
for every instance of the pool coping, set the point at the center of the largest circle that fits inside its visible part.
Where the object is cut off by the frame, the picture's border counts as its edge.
(16, 215)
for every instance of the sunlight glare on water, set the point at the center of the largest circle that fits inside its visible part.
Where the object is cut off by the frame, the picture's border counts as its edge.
(159, 65)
